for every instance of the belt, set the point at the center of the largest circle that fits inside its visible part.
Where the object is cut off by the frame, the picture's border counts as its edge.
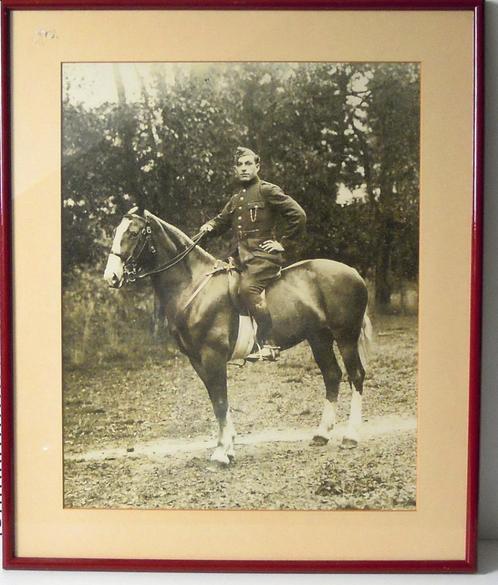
(252, 232)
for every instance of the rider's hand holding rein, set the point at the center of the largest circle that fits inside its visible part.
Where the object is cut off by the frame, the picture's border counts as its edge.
(207, 227)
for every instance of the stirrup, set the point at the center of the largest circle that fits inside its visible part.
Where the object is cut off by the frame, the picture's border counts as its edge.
(267, 353)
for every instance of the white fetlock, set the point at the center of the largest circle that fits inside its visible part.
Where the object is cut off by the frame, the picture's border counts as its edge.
(352, 433)
(351, 436)
(322, 434)
(326, 426)
(219, 456)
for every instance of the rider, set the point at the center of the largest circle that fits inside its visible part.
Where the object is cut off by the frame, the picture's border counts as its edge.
(252, 213)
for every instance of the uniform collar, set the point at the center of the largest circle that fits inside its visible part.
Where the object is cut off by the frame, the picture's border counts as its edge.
(255, 181)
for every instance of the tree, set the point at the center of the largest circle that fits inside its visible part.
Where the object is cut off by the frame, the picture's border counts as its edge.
(386, 122)
(321, 129)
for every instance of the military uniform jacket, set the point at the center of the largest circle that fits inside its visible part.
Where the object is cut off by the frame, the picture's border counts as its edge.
(252, 214)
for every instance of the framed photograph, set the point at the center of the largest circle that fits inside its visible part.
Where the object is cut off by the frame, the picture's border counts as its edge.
(240, 284)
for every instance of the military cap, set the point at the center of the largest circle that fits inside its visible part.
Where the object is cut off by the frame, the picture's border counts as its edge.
(243, 151)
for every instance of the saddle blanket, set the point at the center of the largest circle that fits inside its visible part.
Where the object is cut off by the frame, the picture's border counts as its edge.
(246, 337)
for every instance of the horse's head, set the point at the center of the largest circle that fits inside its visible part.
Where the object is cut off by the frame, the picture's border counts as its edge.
(132, 238)
(144, 245)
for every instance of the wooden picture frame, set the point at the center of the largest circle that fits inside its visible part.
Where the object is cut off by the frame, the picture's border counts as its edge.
(37, 37)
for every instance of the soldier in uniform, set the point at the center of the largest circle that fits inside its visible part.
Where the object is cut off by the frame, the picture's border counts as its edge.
(252, 214)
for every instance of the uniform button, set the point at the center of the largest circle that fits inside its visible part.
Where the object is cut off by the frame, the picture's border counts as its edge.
(243, 190)
(240, 217)
(241, 198)
(240, 227)
(240, 207)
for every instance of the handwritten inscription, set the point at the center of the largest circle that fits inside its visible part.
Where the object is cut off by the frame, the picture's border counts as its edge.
(43, 35)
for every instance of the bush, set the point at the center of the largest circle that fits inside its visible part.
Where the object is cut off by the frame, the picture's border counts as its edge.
(102, 325)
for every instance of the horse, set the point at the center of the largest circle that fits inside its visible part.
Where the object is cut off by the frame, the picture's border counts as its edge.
(318, 300)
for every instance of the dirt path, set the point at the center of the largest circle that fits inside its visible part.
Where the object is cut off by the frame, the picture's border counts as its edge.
(179, 448)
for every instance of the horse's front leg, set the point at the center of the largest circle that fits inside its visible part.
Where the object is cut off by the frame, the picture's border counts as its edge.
(212, 370)
(224, 452)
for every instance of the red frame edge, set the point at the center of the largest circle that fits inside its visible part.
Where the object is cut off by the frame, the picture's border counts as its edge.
(476, 289)
(242, 4)
(7, 389)
(10, 560)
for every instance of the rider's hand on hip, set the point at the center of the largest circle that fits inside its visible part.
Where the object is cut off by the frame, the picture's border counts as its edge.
(272, 246)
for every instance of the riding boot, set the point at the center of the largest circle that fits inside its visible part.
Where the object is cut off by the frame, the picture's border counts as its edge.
(266, 349)
(263, 319)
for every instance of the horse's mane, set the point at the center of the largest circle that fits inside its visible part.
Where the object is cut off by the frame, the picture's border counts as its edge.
(180, 239)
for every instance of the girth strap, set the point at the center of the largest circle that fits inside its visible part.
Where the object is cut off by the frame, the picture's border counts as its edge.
(218, 267)
(203, 283)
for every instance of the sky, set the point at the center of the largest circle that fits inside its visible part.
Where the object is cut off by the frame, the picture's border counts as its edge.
(93, 83)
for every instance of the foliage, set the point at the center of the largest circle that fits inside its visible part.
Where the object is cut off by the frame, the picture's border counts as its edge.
(324, 131)
(102, 326)
(343, 139)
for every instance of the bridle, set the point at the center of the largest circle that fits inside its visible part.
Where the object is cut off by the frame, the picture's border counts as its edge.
(131, 267)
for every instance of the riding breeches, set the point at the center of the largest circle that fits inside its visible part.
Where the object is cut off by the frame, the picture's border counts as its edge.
(256, 275)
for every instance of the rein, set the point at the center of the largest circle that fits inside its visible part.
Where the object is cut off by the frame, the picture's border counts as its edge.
(174, 261)
(131, 269)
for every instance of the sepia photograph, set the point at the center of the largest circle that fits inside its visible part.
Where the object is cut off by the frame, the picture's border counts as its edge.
(240, 276)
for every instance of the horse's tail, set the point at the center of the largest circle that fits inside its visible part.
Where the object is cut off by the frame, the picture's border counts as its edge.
(365, 341)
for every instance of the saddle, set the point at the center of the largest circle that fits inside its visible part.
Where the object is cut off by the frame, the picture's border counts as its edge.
(248, 327)
(246, 336)
(233, 274)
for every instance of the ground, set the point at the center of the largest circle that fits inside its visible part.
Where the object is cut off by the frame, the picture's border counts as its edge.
(142, 437)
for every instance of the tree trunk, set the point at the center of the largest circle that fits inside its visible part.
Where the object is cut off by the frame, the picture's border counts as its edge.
(130, 171)
(385, 237)
(382, 267)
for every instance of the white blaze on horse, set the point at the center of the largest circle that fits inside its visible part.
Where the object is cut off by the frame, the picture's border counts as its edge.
(318, 301)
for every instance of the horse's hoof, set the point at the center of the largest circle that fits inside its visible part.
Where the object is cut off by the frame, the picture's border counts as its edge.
(215, 466)
(319, 441)
(231, 458)
(348, 443)
(220, 459)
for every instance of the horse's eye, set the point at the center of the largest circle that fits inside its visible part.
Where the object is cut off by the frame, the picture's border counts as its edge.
(133, 234)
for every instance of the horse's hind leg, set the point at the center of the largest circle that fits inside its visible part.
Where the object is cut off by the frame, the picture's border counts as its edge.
(321, 346)
(356, 373)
